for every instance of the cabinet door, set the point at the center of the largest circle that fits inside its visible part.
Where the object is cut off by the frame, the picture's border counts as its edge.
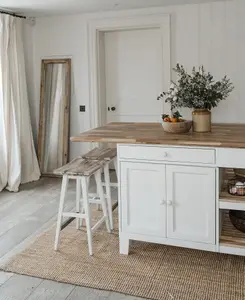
(191, 203)
(143, 198)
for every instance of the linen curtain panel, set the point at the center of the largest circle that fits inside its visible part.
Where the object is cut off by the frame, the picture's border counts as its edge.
(18, 160)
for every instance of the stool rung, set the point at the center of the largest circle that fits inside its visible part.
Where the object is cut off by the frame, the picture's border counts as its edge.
(98, 224)
(73, 215)
(93, 195)
(112, 184)
(95, 201)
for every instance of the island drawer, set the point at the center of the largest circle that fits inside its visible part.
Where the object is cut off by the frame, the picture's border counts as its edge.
(168, 154)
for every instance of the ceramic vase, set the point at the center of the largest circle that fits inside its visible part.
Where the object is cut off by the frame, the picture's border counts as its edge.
(201, 120)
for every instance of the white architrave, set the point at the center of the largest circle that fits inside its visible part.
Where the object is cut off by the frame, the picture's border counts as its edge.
(119, 22)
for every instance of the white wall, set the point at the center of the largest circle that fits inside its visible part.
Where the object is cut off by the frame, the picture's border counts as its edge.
(212, 34)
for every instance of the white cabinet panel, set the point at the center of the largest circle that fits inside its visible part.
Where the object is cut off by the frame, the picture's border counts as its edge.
(191, 203)
(143, 198)
(230, 158)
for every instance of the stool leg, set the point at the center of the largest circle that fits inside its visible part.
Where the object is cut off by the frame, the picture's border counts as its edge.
(115, 166)
(102, 199)
(81, 219)
(82, 203)
(108, 193)
(78, 197)
(87, 213)
(98, 206)
(64, 185)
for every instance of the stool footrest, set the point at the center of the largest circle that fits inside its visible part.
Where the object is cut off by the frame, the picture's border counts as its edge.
(98, 224)
(95, 201)
(112, 184)
(73, 215)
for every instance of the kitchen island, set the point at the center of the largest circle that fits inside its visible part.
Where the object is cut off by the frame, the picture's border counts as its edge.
(172, 187)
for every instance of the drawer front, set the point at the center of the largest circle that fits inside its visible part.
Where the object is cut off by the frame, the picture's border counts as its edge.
(230, 158)
(168, 154)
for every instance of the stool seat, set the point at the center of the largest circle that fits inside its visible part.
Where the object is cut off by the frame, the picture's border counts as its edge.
(80, 167)
(101, 154)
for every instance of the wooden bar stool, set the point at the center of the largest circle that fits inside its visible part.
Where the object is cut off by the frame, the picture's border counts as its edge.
(109, 155)
(82, 170)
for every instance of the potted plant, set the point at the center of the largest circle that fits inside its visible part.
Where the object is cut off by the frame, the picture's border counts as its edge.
(199, 92)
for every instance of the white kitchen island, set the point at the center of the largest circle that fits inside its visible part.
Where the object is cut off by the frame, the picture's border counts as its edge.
(171, 187)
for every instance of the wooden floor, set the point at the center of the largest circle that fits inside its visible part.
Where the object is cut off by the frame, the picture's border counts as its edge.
(23, 216)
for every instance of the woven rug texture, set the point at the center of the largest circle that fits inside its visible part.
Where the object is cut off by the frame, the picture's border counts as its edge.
(150, 270)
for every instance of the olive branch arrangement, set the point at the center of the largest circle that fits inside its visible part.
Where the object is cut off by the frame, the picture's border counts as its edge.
(197, 90)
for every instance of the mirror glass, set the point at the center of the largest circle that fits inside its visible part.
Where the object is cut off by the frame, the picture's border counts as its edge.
(53, 138)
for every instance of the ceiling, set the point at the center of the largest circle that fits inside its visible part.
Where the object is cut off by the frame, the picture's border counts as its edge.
(37, 8)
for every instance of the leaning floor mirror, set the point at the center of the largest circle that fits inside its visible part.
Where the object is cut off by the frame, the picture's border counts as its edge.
(53, 136)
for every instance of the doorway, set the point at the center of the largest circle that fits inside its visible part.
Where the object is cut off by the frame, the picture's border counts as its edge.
(129, 65)
(131, 75)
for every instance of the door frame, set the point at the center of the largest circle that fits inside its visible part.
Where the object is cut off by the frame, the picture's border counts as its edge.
(117, 23)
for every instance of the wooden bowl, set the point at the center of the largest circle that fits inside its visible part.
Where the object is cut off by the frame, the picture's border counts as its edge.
(178, 127)
(237, 218)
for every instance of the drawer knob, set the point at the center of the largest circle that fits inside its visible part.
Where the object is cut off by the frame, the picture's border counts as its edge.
(165, 154)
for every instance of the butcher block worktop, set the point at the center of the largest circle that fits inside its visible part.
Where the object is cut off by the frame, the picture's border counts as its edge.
(222, 135)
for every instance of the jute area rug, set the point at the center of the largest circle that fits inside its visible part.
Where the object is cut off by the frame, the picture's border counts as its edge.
(150, 271)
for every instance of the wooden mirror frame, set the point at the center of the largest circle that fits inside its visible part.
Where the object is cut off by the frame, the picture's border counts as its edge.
(65, 154)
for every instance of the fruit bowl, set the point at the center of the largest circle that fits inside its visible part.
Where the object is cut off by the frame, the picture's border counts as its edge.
(177, 127)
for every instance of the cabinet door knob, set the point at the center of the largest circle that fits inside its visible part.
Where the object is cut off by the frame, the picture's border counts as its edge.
(170, 203)
(163, 202)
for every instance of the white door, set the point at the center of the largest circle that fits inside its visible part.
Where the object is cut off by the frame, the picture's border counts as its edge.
(191, 203)
(143, 198)
(133, 75)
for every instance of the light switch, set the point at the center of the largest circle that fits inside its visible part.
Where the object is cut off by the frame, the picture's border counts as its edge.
(82, 108)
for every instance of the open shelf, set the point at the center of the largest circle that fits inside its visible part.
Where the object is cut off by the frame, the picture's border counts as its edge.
(230, 236)
(228, 201)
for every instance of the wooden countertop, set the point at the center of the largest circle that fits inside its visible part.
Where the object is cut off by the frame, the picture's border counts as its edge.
(222, 135)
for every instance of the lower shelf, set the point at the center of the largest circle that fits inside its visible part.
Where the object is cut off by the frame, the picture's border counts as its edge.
(226, 200)
(230, 236)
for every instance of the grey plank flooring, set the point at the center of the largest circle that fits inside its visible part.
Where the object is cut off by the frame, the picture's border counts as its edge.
(18, 287)
(88, 294)
(4, 277)
(51, 290)
(23, 216)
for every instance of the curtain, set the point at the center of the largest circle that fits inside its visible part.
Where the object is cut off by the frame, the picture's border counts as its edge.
(18, 160)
